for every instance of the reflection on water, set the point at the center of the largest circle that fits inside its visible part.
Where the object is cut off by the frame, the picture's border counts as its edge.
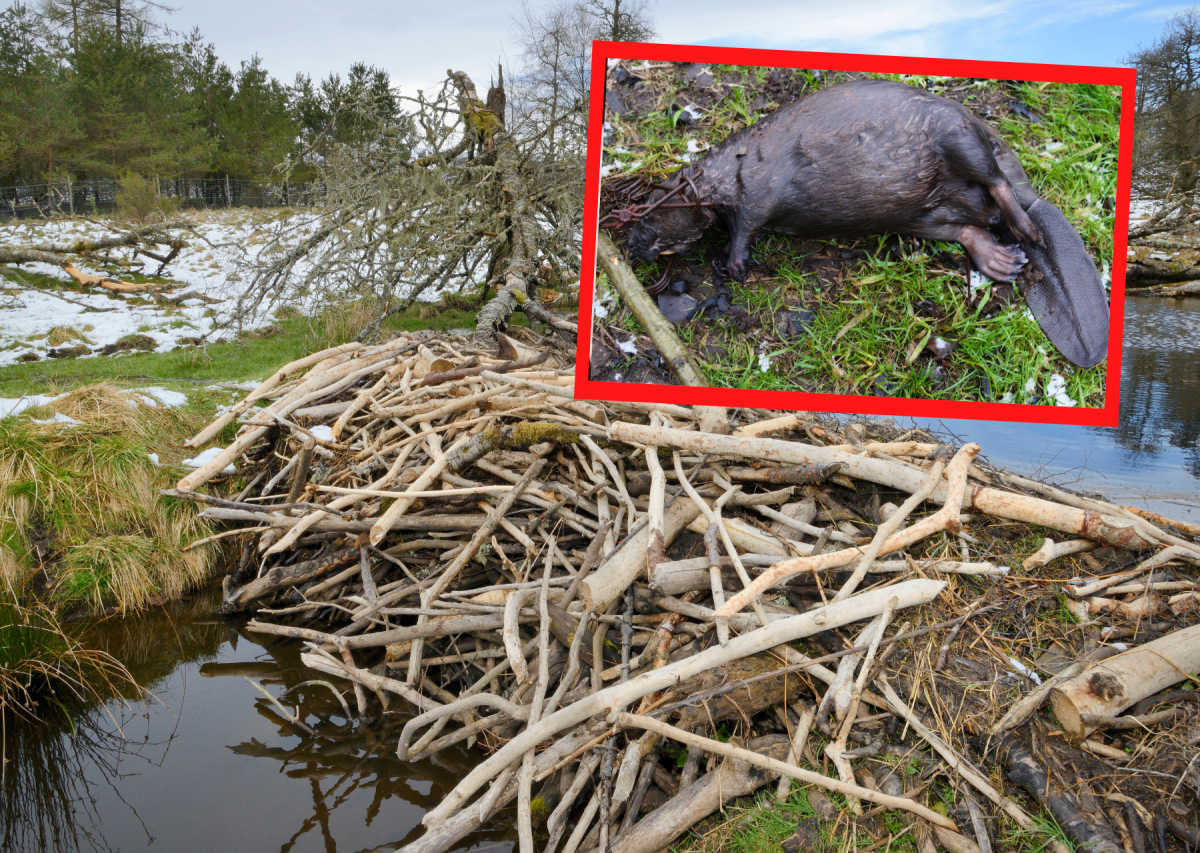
(1151, 459)
(1160, 383)
(211, 764)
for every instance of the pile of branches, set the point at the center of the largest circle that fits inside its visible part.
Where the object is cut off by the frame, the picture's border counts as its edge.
(639, 621)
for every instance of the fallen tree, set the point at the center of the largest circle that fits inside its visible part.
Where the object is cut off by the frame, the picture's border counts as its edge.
(443, 199)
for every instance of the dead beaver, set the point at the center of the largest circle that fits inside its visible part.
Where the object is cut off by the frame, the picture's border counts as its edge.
(872, 156)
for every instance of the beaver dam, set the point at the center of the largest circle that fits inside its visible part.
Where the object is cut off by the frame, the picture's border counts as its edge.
(634, 622)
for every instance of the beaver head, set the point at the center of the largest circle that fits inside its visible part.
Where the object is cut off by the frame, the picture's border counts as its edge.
(668, 230)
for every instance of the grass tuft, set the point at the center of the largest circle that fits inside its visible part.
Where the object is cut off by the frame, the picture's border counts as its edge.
(41, 664)
(81, 516)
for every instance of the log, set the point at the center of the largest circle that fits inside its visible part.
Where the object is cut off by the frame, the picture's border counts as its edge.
(611, 579)
(1110, 686)
(1090, 832)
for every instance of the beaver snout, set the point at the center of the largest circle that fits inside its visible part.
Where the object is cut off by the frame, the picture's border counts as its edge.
(643, 242)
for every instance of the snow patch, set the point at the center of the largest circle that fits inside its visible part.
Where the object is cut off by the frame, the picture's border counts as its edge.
(10, 406)
(322, 431)
(629, 346)
(170, 399)
(59, 418)
(205, 456)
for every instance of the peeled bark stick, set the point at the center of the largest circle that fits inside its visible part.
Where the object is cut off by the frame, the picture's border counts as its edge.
(799, 740)
(1052, 550)
(381, 527)
(864, 606)
(1112, 530)
(895, 520)
(655, 552)
(611, 578)
(974, 777)
(512, 635)
(644, 308)
(266, 387)
(945, 518)
(718, 747)
(1112, 685)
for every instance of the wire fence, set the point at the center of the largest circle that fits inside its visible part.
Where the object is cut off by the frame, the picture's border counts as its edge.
(99, 196)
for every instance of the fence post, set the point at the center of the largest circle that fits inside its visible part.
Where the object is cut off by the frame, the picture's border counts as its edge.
(70, 197)
(228, 192)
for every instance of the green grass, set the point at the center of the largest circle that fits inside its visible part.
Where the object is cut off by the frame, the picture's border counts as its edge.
(764, 823)
(248, 358)
(1071, 159)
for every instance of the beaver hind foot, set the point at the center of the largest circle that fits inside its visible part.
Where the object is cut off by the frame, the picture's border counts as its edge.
(997, 261)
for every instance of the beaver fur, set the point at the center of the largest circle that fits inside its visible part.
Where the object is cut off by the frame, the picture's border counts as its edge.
(874, 156)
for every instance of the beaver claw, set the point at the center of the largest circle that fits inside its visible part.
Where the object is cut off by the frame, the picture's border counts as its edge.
(1001, 263)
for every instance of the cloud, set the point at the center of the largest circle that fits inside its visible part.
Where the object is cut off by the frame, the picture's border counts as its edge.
(870, 26)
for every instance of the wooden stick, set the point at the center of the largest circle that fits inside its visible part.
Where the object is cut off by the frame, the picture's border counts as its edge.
(1051, 551)
(944, 519)
(715, 746)
(863, 606)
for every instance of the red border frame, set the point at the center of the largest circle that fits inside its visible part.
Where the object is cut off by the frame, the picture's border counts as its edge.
(585, 388)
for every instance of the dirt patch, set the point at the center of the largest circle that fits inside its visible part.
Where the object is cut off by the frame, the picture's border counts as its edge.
(130, 343)
(69, 352)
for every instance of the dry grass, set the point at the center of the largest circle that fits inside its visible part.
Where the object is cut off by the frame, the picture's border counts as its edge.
(80, 511)
(40, 661)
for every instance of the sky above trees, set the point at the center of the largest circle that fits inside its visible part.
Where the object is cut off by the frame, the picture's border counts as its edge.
(417, 42)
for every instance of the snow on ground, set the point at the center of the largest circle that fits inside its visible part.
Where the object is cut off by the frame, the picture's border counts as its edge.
(28, 314)
(14, 406)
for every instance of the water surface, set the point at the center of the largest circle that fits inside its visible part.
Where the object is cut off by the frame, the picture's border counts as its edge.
(210, 764)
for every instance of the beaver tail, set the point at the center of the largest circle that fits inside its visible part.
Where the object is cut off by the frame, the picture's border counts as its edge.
(1068, 302)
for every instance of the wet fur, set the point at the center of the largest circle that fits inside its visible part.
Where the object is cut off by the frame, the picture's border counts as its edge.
(857, 159)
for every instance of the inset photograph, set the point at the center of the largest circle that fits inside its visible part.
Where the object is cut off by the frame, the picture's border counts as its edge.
(871, 236)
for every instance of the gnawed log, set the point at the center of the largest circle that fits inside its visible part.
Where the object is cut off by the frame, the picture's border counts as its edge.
(1112, 685)
(712, 791)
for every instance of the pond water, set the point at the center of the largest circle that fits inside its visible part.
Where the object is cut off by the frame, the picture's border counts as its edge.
(1151, 459)
(211, 765)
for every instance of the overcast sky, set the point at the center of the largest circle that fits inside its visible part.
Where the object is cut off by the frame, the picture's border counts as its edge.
(417, 41)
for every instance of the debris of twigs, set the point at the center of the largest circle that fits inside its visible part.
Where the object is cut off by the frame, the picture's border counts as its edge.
(585, 589)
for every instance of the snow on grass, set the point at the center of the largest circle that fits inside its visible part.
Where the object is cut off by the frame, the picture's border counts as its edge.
(209, 266)
(10, 406)
(204, 457)
(153, 395)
